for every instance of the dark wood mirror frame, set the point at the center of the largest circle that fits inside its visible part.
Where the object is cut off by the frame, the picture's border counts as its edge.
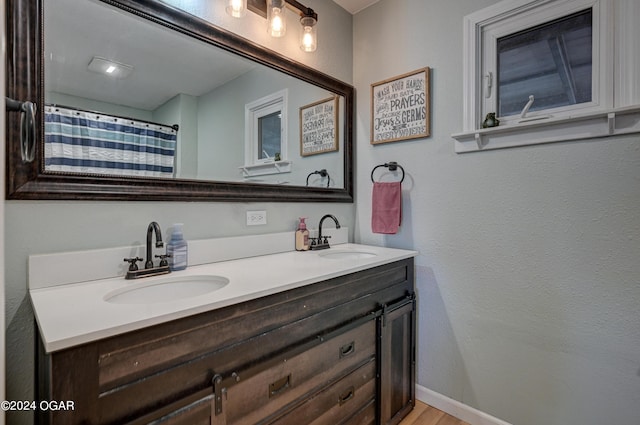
(25, 82)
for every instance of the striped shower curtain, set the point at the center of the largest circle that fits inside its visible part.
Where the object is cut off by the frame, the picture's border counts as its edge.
(86, 142)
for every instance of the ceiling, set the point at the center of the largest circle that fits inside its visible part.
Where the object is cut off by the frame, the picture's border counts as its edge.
(355, 6)
(165, 63)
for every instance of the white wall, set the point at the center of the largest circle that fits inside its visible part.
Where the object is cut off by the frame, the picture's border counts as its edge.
(96, 105)
(34, 227)
(528, 269)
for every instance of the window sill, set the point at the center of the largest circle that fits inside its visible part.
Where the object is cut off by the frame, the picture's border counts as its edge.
(578, 127)
(276, 167)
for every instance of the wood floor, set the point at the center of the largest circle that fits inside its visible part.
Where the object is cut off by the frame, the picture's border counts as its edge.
(424, 414)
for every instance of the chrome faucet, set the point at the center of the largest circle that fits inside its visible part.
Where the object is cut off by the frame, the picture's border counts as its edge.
(322, 242)
(149, 268)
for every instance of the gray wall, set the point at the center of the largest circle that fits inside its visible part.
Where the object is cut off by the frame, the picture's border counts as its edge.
(221, 124)
(528, 269)
(37, 227)
(182, 110)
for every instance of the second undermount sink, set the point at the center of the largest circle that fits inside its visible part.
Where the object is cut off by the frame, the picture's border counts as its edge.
(342, 254)
(166, 289)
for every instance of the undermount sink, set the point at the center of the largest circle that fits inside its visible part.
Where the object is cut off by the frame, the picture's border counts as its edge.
(342, 254)
(166, 289)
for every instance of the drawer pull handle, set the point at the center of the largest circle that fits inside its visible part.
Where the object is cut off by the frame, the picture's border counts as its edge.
(347, 349)
(347, 395)
(279, 386)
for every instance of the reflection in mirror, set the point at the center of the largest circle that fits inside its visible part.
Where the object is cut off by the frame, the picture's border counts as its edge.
(78, 141)
(126, 96)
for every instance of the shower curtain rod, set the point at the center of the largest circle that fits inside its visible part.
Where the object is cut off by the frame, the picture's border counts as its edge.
(55, 105)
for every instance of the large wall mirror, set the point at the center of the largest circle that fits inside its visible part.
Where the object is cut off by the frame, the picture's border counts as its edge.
(138, 100)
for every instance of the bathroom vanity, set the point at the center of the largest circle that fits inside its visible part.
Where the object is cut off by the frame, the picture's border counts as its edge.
(333, 343)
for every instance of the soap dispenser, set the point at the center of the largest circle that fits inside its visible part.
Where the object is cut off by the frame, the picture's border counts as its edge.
(302, 236)
(177, 249)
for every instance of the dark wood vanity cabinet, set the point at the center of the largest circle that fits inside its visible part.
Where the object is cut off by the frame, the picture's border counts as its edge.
(340, 351)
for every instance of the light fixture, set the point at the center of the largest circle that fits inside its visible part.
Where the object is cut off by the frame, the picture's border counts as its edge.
(274, 11)
(276, 21)
(308, 34)
(109, 67)
(236, 8)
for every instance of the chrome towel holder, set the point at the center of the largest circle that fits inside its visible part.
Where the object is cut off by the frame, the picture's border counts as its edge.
(392, 166)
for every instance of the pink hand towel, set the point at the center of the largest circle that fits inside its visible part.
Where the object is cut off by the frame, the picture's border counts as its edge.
(386, 213)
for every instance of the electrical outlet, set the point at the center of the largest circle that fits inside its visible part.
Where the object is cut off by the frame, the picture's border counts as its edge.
(256, 218)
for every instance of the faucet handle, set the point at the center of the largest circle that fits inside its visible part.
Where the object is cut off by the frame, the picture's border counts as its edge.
(132, 263)
(163, 259)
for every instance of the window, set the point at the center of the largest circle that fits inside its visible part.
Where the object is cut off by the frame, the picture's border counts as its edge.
(551, 50)
(269, 136)
(546, 69)
(266, 136)
(551, 61)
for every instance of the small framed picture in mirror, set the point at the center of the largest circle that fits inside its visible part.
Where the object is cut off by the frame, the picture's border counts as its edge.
(318, 127)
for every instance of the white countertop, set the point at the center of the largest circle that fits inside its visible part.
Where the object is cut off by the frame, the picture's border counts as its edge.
(77, 313)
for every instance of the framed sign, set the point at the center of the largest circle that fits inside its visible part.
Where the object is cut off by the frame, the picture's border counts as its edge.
(318, 123)
(400, 107)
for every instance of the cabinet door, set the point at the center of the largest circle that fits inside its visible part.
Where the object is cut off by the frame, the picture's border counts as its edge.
(397, 361)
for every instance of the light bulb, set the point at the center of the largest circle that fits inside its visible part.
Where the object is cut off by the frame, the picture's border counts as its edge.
(277, 28)
(308, 36)
(236, 8)
(277, 24)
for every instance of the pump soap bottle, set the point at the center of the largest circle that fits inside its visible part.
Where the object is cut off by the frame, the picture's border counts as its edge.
(177, 249)
(302, 236)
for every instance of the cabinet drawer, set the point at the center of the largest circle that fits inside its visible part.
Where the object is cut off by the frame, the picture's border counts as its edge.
(365, 416)
(196, 409)
(344, 399)
(276, 388)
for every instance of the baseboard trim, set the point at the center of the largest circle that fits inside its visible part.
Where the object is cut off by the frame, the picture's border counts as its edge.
(455, 408)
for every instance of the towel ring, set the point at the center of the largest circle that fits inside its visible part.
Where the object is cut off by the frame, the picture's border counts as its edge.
(323, 173)
(392, 166)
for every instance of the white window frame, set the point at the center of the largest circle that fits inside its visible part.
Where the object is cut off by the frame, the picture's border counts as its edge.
(253, 164)
(601, 53)
(582, 121)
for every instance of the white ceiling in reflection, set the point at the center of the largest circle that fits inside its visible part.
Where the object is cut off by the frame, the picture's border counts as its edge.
(164, 64)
